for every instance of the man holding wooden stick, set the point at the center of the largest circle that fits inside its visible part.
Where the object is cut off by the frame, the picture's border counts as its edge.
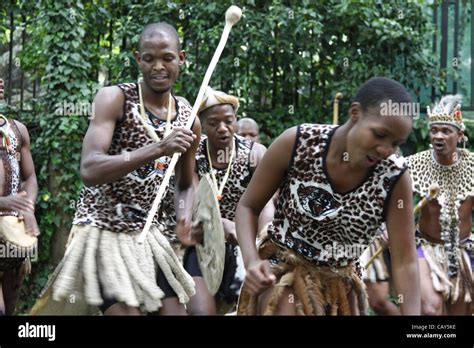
(136, 129)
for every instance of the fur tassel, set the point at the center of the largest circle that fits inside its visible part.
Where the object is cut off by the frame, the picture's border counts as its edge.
(65, 283)
(317, 290)
(91, 279)
(150, 289)
(107, 273)
(299, 288)
(129, 293)
(344, 308)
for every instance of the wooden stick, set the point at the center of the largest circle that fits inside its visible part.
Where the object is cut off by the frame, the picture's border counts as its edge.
(335, 113)
(2, 95)
(432, 194)
(232, 16)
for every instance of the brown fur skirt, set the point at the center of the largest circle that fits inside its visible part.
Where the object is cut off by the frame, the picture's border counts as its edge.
(317, 290)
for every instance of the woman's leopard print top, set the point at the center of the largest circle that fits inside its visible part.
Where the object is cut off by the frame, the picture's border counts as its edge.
(325, 226)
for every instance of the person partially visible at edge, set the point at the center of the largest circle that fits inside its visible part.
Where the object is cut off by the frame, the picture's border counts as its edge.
(136, 129)
(444, 239)
(18, 191)
(337, 185)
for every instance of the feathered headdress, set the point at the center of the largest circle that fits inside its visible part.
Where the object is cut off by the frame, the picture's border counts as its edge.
(447, 111)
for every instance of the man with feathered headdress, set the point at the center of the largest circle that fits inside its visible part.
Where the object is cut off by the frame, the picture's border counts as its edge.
(444, 227)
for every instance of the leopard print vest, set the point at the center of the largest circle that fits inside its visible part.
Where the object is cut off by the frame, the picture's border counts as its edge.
(10, 164)
(239, 177)
(324, 226)
(455, 180)
(123, 205)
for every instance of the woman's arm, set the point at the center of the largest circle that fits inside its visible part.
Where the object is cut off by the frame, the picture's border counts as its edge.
(256, 156)
(401, 233)
(265, 181)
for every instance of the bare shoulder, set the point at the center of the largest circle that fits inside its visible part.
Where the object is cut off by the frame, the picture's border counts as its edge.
(469, 202)
(279, 153)
(20, 126)
(257, 147)
(403, 185)
(287, 139)
(23, 131)
(256, 155)
(109, 103)
(402, 190)
(112, 93)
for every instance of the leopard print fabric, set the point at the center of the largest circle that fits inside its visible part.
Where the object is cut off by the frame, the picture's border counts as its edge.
(10, 162)
(167, 214)
(456, 184)
(322, 225)
(456, 180)
(239, 177)
(236, 184)
(123, 205)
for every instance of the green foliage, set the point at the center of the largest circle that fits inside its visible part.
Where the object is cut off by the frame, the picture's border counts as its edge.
(59, 53)
(285, 60)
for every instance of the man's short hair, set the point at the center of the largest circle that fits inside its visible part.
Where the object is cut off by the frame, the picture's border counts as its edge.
(154, 29)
